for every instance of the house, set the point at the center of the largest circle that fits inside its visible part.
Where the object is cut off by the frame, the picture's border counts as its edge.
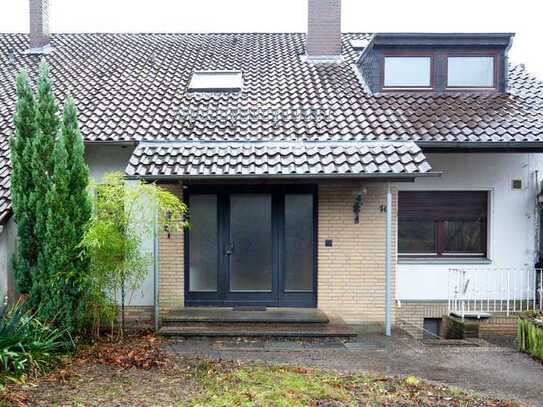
(346, 172)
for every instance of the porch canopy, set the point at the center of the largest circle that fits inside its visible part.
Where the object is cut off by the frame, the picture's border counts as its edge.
(285, 159)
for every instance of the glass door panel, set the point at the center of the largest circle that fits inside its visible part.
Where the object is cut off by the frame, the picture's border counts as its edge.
(203, 247)
(298, 273)
(250, 248)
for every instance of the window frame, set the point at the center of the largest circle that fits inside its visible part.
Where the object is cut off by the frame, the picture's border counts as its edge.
(467, 54)
(440, 231)
(408, 54)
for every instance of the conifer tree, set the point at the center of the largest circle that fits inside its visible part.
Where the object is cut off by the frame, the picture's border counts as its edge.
(69, 210)
(41, 165)
(51, 202)
(22, 183)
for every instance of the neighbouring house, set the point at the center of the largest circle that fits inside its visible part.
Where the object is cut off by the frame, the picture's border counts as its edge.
(362, 174)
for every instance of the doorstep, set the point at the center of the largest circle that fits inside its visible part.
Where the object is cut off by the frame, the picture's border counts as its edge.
(334, 329)
(249, 315)
(272, 322)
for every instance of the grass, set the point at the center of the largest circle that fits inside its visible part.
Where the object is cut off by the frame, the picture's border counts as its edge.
(228, 384)
(257, 384)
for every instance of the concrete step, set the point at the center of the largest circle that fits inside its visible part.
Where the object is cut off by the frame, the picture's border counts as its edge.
(229, 315)
(240, 329)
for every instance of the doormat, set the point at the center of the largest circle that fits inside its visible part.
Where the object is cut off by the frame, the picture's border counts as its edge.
(247, 308)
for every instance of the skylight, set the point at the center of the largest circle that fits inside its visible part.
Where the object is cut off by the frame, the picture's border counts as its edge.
(216, 81)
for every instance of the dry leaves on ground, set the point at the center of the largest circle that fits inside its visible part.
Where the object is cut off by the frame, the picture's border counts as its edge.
(141, 351)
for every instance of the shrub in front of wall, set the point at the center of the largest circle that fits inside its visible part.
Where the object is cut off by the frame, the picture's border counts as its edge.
(27, 345)
(530, 334)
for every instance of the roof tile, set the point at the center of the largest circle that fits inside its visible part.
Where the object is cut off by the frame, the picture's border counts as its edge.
(131, 87)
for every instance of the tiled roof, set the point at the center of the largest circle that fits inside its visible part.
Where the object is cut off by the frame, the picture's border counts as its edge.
(131, 87)
(269, 159)
(5, 167)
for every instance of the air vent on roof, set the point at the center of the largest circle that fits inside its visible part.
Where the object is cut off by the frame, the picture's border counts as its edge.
(216, 81)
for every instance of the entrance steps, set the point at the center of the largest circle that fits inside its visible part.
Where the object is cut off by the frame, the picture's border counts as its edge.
(272, 322)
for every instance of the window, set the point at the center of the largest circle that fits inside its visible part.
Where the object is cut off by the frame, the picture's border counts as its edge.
(216, 81)
(431, 328)
(442, 223)
(407, 72)
(471, 72)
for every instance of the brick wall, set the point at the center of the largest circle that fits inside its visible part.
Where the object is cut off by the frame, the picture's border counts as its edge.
(140, 315)
(172, 289)
(410, 315)
(39, 23)
(324, 28)
(351, 273)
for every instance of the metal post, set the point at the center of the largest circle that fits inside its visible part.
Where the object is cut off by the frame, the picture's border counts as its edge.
(388, 264)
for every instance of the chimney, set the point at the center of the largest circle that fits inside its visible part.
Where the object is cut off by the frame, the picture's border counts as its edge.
(324, 30)
(39, 23)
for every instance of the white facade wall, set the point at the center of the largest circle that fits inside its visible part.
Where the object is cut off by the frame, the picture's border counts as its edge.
(8, 242)
(102, 159)
(512, 222)
(512, 225)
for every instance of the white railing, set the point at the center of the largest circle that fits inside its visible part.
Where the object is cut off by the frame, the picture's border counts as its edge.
(479, 292)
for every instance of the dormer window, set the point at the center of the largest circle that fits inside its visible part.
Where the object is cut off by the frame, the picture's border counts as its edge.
(407, 72)
(435, 63)
(216, 81)
(471, 71)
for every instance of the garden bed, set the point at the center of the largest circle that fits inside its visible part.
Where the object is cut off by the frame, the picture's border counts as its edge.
(530, 334)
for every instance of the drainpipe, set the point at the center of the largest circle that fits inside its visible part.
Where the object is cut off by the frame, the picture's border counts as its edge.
(388, 264)
(156, 271)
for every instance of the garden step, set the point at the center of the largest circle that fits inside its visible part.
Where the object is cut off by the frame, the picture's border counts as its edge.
(314, 330)
(248, 315)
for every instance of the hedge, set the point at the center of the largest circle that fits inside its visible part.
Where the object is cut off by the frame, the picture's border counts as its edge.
(530, 334)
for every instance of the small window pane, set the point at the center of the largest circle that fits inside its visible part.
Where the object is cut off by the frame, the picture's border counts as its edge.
(299, 242)
(251, 237)
(470, 71)
(463, 236)
(416, 236)
(407, 72)
(203, 243)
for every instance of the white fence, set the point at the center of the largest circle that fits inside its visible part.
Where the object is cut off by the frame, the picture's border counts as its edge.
(477, 292)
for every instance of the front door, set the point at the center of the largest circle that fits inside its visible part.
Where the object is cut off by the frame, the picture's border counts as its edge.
(251, 246)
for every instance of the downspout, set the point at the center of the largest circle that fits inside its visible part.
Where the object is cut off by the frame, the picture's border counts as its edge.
(388, 264)
(156, 271)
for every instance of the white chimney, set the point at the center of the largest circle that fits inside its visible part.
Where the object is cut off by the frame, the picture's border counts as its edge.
(324, 30)
(39, 23)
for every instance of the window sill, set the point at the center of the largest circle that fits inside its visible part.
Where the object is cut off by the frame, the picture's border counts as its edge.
(443, 260)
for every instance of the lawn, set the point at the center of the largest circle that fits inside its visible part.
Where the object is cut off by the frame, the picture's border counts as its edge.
(141, 375)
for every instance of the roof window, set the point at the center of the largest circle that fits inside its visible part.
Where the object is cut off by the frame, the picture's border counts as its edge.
(216, 81)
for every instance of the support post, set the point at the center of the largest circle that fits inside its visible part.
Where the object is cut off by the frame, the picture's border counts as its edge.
(388, 264)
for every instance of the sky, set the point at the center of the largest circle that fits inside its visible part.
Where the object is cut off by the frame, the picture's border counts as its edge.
(524, 17)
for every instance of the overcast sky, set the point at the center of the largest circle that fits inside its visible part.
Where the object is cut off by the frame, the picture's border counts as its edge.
(525, 17)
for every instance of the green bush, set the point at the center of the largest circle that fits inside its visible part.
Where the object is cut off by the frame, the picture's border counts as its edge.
(28, 345)
(530, 334)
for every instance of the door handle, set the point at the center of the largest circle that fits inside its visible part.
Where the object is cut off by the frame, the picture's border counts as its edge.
(229, 250)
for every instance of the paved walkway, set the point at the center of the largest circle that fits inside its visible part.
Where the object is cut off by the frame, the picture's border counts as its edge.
(493, 368)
